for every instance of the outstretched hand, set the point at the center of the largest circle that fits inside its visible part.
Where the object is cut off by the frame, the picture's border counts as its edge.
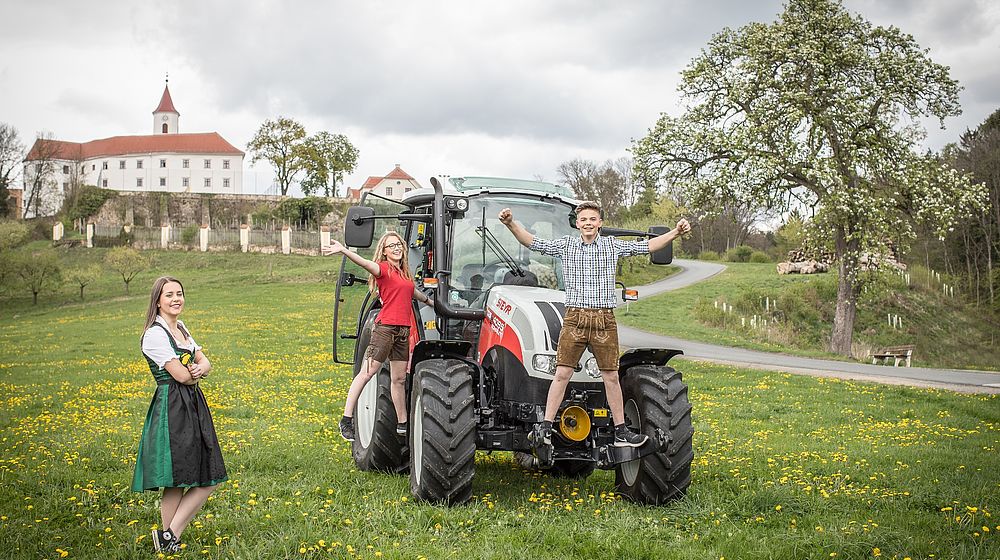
(333, 248)
(506, 216)
(683, 227)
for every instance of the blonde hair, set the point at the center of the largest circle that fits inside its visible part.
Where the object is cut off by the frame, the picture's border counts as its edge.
(154, 299)
(590, 205)
(379, 256)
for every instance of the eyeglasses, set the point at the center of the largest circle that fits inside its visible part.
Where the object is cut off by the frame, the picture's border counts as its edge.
(396, 245)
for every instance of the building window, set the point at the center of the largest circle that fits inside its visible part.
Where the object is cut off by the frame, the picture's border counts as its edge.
(138, 164)
(138, 182)
(104, 165)
(121, 164)
(208, 164)
(225, 182)
(65, 187)
(186, 163)
(164, 128)
(93, 167)
(185, 182)
(163, 181)
(104, 183)
(208, 182)
(407, 189)
(163, 163)
(388, 191)
(38, 168)
(65, 170)
(225, 164)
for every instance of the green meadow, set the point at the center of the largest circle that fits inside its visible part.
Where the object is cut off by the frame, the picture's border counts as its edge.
(786, 466)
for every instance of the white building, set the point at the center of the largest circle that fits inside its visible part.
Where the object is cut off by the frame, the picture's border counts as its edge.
(393, 185)
(165, 161)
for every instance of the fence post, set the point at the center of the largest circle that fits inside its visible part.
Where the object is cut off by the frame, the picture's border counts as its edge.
(164, 236)
(244, 237)
(57, 231)
(203, 235)
(90, 235)
(324, 237)
(286, 240)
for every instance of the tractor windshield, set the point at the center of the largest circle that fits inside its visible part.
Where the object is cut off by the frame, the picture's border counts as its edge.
(485, 253)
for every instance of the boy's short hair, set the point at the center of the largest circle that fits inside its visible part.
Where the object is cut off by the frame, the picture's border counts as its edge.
(590, 205)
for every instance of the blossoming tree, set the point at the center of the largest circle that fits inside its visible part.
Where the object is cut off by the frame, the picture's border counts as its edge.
(819, 109)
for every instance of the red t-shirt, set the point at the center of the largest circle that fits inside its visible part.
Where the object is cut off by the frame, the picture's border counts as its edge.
(396, 292)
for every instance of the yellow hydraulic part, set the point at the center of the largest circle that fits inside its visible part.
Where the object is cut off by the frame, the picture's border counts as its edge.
(574, 423)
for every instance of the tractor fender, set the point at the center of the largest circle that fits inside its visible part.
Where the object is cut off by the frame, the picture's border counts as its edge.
(652, 356)
(442, 349)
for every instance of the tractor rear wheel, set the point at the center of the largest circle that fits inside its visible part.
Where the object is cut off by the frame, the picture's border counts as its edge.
(376, 446)
(442, 432)
(656, 397)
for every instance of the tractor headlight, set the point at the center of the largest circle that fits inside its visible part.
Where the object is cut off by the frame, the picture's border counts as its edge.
(545, 363)
(591, 368)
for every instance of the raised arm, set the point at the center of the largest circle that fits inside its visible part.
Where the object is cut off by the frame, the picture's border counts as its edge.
(521, 234)
(661, 241)
(336, 247)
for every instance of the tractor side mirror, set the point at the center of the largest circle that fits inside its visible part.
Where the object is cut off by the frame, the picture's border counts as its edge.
(664, 255)
(359, 227)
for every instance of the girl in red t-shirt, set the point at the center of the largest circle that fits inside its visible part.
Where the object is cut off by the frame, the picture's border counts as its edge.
(390, 339)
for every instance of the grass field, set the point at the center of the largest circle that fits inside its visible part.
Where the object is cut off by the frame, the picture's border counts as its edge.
(785, 466)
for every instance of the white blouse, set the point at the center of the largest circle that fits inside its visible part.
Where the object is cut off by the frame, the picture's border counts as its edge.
(156, 343)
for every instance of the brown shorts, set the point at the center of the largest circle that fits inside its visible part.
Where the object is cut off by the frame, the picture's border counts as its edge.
(389, 341)
(589, 327)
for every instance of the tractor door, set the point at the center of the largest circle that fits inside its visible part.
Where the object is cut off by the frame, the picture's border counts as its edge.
(353, 304)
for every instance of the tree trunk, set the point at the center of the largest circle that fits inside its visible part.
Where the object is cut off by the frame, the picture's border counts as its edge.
(81, 293)
(34, 297)
(847, 297)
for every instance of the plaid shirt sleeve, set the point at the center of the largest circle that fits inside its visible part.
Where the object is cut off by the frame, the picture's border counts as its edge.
(553, 248)
(630, 248)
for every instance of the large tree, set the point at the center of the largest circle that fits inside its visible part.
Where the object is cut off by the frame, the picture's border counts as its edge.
(327, 156)
(818, 107)
(603, 183)
(281, 143)
(11, 155)
(40, 196)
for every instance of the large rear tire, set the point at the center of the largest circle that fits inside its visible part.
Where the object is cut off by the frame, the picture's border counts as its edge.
(376, 446)
(442, 432)
(656, 397)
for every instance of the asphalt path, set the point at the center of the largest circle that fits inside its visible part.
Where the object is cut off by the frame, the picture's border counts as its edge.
(967, 381)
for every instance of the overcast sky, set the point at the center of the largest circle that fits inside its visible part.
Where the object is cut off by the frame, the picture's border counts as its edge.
(460, 88)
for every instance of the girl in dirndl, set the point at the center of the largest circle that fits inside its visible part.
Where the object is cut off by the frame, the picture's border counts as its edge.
(179, 451)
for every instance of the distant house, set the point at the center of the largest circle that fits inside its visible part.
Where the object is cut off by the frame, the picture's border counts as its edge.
(394, 185)
(165, 161)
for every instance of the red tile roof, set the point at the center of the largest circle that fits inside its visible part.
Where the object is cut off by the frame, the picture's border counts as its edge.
(399, 174)
(371, 183)
(197, 143)
(166, 103)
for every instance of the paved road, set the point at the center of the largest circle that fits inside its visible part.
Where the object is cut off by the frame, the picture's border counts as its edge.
(969, 381)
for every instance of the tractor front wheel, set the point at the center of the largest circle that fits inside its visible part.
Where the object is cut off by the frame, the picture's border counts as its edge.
(442, 432)
(656, 398)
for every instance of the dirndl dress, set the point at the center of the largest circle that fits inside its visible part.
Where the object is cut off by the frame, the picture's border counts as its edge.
(179, 447)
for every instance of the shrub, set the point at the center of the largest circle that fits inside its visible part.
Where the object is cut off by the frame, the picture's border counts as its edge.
(708, 256)
(12, 234)
(127, 262)
(739, 254)
(759, 257)
(188, 234)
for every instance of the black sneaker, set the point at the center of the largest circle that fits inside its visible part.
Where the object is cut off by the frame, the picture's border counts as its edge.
(625, 437)
(162, 539)
(541, 440)
(401, 429)
(347, 428)
(173, 546)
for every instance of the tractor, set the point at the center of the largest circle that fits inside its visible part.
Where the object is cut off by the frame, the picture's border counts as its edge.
(484, 355)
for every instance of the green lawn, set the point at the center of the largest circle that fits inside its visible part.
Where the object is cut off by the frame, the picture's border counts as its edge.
(786, 466)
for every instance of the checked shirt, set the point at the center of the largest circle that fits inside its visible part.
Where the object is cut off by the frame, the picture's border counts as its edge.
(589, 268)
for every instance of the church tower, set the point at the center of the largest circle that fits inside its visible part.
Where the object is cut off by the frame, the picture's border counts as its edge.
(165, 117)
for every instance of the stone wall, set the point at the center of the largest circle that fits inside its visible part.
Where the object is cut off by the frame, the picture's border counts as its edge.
(153, 209)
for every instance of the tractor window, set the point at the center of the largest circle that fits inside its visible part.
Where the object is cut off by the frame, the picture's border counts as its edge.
(477, 265)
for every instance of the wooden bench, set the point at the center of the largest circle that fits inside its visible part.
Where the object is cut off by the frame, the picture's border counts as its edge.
(896, 353)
